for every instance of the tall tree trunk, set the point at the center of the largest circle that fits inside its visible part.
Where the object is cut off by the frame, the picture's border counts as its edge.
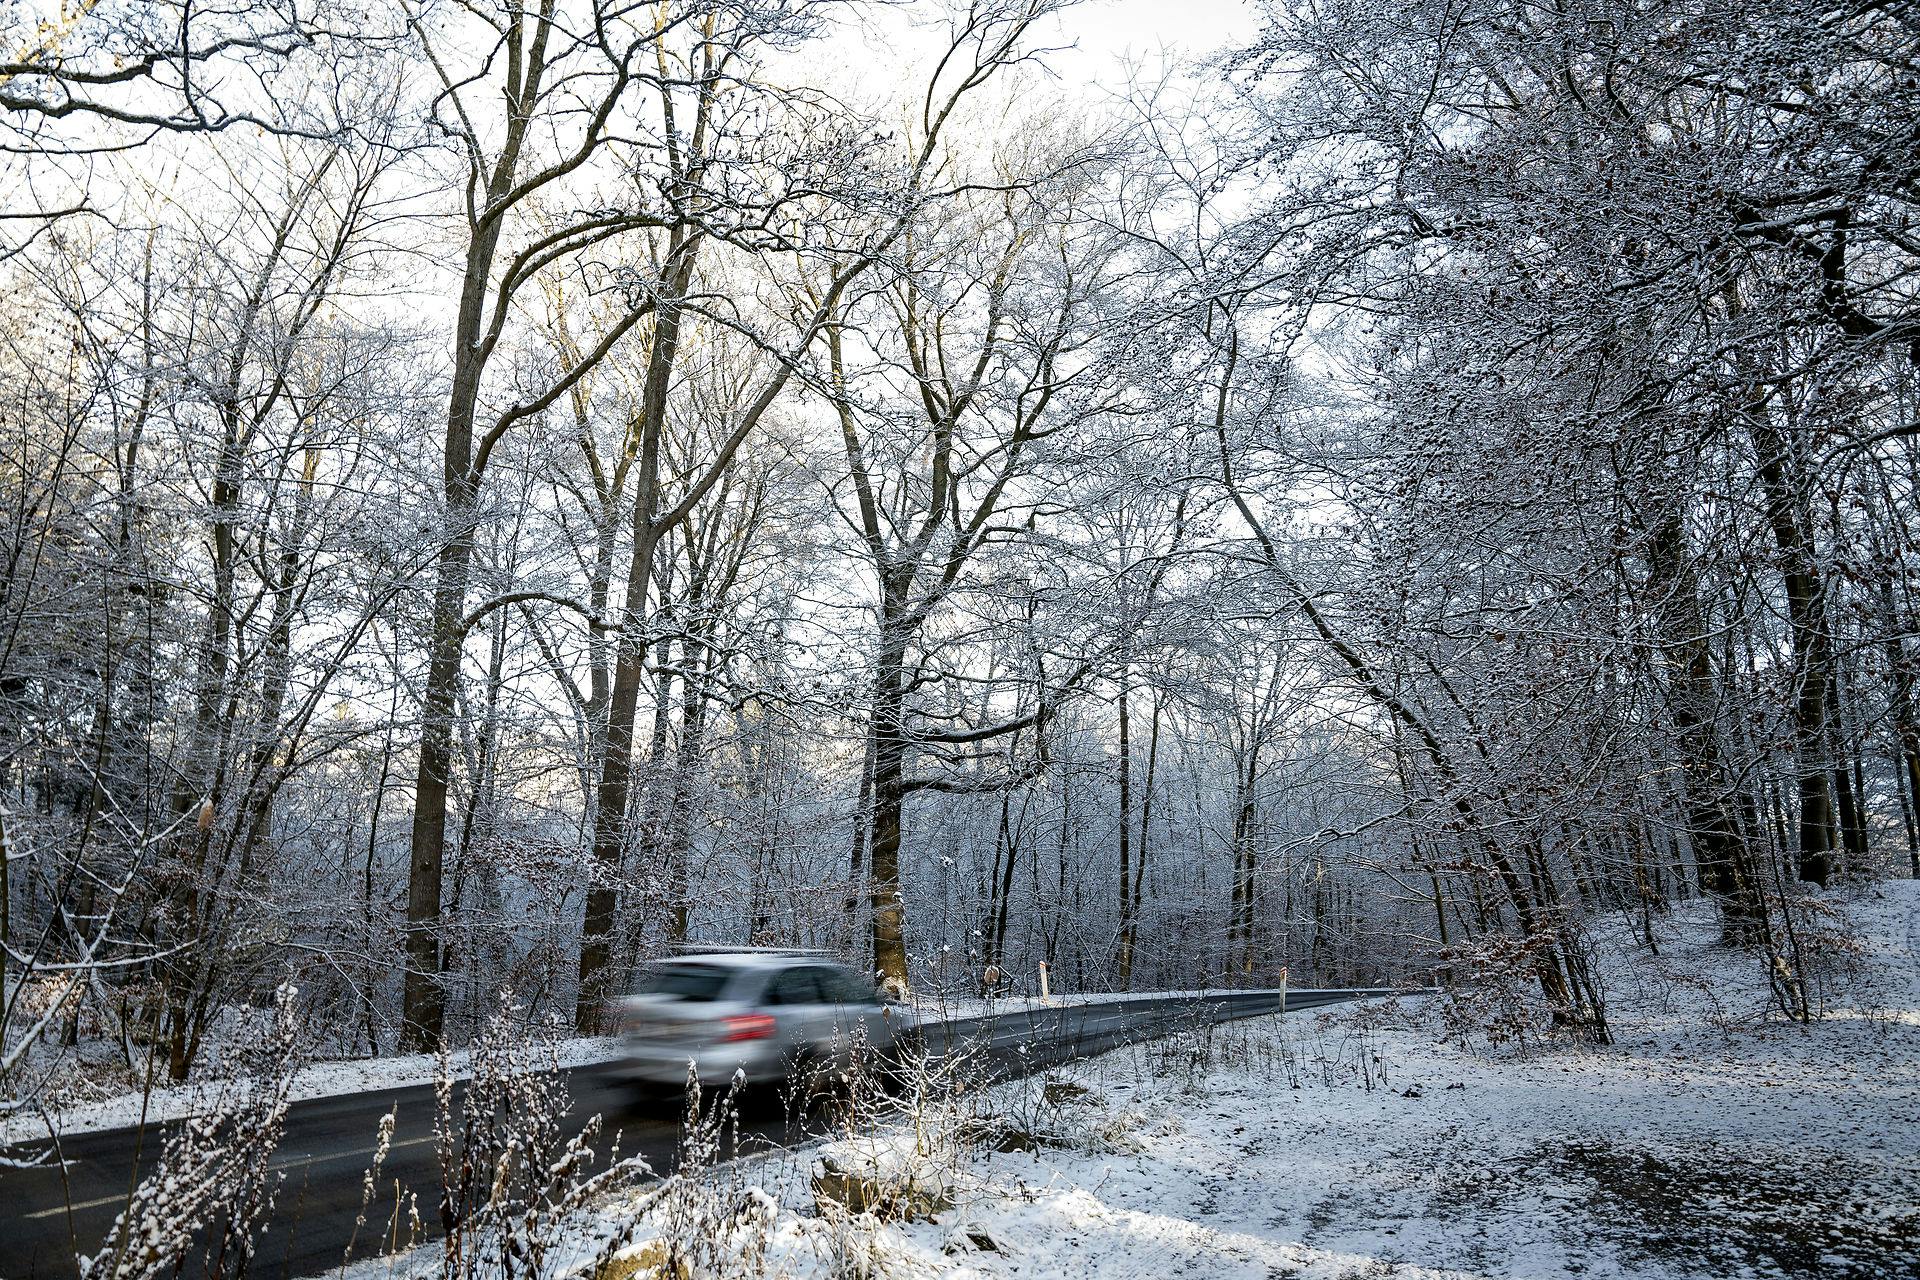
(1130, 937)
(1123, 963)
(369, 979)
(629, 669)
(887, 732)
(610, 797)
(1240, 943)
(1004, 899)
(1726, 866)
(1000, 853)
(1783, 481)
(423, 1001)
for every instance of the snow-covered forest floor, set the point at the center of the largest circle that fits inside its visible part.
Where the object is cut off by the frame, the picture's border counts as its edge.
(1708, 1141)
(1355, 1145)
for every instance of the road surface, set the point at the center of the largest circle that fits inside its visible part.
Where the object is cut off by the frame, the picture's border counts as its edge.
(50, 1214)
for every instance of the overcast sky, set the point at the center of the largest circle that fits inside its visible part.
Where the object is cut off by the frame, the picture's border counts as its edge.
(1092, 39)
(1105, 30)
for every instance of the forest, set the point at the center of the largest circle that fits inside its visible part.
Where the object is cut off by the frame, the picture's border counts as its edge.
(492, 490)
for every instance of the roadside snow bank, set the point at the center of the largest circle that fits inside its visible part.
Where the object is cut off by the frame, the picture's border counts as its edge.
(938, 1008)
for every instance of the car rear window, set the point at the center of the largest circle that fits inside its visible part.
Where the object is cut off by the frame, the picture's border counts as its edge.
(700, 983)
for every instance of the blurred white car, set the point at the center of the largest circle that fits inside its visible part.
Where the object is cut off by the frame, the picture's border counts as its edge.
(772, 1015)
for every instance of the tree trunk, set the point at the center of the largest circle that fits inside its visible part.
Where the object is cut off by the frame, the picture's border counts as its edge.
(689, 760)
(629, 668)
(1783, 481)
(1123, 963)
(1004, 899)
(423, 1002)
(1130, 938)
(887, 732)
(1725, 864)
(610, 797)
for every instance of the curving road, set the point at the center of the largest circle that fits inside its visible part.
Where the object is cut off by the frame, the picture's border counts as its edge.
(50, 1214)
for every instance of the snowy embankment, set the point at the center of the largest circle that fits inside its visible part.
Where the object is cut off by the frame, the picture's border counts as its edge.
(315, 1080)
(1357, 1146)
(1706, 1142)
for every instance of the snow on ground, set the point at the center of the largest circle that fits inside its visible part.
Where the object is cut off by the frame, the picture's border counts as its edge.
(1358, 1144)
(1705, 1143)
(315, 1080)
(1344, 1147)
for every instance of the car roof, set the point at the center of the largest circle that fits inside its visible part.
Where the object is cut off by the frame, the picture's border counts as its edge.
(751, 959)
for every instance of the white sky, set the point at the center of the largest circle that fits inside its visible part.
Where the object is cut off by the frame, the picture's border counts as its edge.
(1107, 30)
(1090, 42)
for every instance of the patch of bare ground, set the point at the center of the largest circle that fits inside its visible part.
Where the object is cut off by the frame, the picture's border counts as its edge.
(1718, 1210)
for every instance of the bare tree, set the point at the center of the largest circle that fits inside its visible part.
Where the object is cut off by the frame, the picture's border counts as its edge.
(982, 346)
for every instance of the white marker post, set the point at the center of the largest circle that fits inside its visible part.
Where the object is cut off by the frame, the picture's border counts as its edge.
(1044, 997)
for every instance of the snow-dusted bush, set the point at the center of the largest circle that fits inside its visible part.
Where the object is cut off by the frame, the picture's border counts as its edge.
(910, 1125)
(511, 1186)
(708, 1217)
(213, 1175)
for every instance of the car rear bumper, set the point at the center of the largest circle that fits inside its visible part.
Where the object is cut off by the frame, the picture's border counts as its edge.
(654, 1063)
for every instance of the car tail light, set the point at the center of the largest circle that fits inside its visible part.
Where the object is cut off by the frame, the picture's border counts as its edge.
(746, 1026)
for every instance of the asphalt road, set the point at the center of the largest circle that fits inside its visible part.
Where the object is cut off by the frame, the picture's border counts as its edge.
(50, 1214)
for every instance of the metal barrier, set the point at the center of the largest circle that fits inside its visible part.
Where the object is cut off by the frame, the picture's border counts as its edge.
(1094, 1025)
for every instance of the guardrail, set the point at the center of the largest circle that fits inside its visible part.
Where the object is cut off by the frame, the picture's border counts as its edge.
(1041, 1035)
